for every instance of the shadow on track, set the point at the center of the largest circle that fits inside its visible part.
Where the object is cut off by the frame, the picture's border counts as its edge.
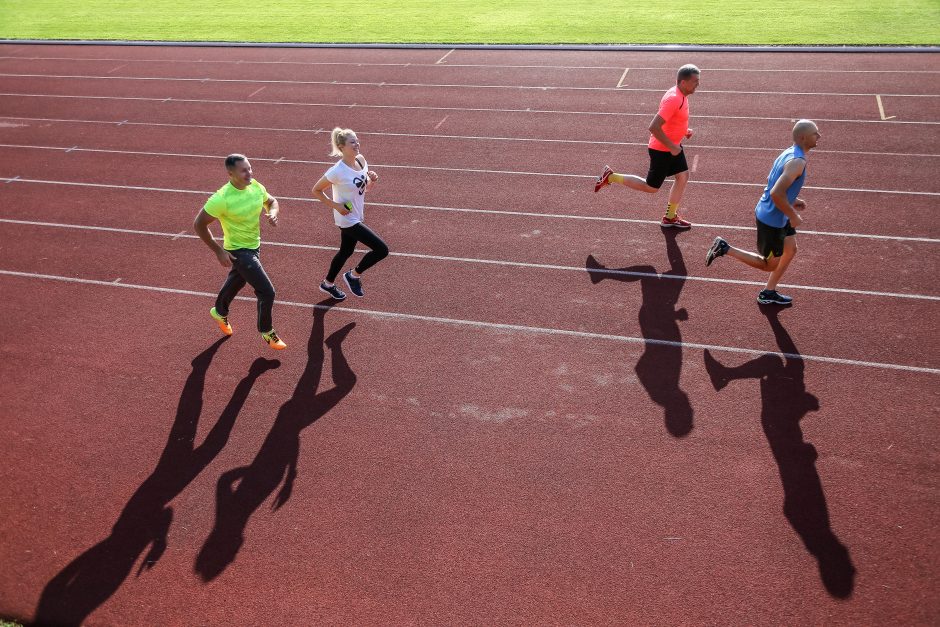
(660, 365)
(241, 491)
(784, 403)
(90, 580)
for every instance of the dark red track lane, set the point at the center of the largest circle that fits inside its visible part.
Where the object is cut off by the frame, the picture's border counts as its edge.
(835, 211)
(461, 473)
(627, 130)
(527, 297)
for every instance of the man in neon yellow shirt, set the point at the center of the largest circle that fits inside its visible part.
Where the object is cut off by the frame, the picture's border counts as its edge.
(237, 206)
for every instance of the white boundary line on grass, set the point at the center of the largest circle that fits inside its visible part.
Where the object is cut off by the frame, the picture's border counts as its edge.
(658, 90)
(321, 131)
(495, 262)
(464, 109)
(495, 326)
(499, 212)
(465, 65)
(144, 153)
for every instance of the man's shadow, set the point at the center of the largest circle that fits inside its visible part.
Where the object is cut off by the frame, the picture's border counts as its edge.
(660, 365)
(241, 491)
(91, 578)
(784, 403)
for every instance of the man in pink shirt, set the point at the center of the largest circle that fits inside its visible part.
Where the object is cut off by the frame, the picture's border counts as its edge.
(667, 130)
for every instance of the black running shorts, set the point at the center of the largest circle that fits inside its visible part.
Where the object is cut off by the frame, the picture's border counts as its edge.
(770, 238)
(662, 164)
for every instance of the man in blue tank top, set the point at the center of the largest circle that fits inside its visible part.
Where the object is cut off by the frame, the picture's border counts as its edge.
(777, 216)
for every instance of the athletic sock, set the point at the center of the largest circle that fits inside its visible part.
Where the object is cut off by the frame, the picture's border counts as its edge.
(616, 178)
(327, 283)
(671, 210)
(354, 274)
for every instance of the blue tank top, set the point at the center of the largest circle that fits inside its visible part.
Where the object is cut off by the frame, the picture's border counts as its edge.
(766, 210)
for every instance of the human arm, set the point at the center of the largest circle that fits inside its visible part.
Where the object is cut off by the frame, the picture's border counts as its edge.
(271, 209)
(656, 129)
(319, 192)
(201, 227)
(778, 194)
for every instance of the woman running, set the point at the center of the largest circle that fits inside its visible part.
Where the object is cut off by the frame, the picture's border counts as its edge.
(350, 178)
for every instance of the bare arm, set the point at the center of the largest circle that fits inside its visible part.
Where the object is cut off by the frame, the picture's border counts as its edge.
(319, 193)
(656, 128)
(271, 209)
(201, 227)
(791, 171)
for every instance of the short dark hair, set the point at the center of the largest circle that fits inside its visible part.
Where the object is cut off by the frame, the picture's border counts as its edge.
(686, 72)
(232, 159)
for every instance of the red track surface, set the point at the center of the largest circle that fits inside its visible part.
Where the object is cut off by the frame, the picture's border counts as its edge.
(503, 430)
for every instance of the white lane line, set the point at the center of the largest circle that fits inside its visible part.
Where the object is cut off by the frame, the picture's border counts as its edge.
(495, 212)
(443, 169)
(494, 138)
(427, 86)
(117, 68)
(496, 326)
(494, 262)
(463, 109)
(622, 76)
(695, 162)
(441, 60)
(474, 65)
(257, 91)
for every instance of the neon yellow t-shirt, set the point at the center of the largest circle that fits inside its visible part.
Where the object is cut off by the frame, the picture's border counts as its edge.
(239, 211)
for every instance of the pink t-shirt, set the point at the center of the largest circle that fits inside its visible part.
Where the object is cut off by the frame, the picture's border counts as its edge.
(674, 108)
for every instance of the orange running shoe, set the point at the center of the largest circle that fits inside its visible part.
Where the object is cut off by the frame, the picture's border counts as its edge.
(273, 340)
(222, 320)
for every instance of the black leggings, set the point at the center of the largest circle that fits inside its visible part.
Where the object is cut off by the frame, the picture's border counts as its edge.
(247, 268)
(348, 237)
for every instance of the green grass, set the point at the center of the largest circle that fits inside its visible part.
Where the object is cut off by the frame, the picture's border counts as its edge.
(772, 22)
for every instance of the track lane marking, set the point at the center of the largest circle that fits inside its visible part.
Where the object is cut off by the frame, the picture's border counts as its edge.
(518, 328)
(494, 138)
(469, 109)
(499, 212)
(473, 65)
(441, 60)
(443, 169)
(170, 79)
(622, 76)
(494, 262)
(881, 109)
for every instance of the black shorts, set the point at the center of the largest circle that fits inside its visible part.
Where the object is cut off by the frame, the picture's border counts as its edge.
(770, 238)
(662, 164)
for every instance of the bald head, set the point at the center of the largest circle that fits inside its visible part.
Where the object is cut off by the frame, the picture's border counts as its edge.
(803, 128)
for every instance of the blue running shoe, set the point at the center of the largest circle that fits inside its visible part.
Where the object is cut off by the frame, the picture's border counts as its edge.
(355, 285)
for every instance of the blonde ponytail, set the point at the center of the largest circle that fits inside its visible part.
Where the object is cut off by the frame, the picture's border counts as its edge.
(338, 139)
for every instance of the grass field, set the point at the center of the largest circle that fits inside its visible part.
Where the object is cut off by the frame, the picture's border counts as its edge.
(900, 22)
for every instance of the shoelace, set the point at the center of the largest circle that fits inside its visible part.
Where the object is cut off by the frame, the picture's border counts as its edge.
(272, 337)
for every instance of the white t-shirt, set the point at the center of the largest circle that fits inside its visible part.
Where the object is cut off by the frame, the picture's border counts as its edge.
(349, 185)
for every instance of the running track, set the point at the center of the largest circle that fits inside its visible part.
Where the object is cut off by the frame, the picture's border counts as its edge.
(545, 410)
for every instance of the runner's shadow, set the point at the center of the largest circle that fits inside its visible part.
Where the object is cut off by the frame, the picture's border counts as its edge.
(241, 491)
(91, 578)
(660, 366)
(784, 403)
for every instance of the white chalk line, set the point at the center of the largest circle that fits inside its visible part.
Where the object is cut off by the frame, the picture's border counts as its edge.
(498, 212)
(463, 109)
(428, 86)
(496, 326)
(494, 262)
(364, 132)
(471, 65)
(79, 149)
(459, 65)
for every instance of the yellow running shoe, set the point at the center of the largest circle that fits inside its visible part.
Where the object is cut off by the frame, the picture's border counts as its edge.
(222, 320)
(273, 340)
